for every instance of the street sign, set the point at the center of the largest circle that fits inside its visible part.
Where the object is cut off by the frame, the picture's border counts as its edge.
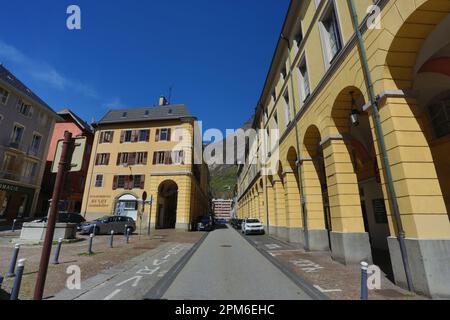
(76, 155)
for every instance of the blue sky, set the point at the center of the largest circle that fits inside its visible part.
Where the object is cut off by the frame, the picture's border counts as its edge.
(215, 54)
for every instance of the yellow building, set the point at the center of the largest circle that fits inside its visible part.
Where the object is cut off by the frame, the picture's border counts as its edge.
(362, 104)
(147, 149)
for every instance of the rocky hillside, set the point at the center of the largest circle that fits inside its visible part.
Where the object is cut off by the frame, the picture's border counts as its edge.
(224, 177)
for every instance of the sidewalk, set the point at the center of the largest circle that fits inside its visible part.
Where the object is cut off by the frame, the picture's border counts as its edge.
(103, 259)
(337, 281)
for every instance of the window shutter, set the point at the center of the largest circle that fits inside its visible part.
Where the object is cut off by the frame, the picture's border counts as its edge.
(169, 131)
(97, 160)
(132, 159)
(134, 136)
(115, 182)
(108, 155)
(148, 136)
(122, 136)
(157, 135)
(182, 157)
(102, 137)
(126, 182)
(142, 181)
(119, 157)
(111, 136)
(144, 160)
(154, 157)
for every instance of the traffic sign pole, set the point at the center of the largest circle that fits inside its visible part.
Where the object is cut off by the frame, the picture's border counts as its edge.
(47, 247)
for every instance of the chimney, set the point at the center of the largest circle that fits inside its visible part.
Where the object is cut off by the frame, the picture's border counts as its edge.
(163, 101)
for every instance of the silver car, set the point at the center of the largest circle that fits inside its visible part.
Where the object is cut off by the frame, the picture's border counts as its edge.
(105, 225)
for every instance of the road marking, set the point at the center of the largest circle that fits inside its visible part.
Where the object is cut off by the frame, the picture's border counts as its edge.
(148, 271)
(272, 246)
(112, 294)
(326, 291)
(136, 281)
(307, 265)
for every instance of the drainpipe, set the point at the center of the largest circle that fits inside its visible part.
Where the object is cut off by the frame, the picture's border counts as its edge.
(266, 196)
(374, 101)
(298, 163)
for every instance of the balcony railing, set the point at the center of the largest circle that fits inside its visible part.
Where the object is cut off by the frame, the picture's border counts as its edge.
(12, 176)
(12, 144)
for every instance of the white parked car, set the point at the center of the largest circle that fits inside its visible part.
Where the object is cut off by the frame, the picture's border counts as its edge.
(252, 226)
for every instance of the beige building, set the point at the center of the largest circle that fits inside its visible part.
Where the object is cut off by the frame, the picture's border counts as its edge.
(147, 149)
(362, 105)
(26, 125)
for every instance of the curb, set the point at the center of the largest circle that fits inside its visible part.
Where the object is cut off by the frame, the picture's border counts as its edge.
(160, 288)
(301, 282)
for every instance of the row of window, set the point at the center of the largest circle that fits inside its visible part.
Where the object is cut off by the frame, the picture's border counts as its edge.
(133, 136)
(11, 165)
(16, 138)
(122, 182)
(332, 45)
(140, 158)
(24, 108)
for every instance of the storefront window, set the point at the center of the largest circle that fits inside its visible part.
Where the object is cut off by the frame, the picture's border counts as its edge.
(4, 199)
(23, 205)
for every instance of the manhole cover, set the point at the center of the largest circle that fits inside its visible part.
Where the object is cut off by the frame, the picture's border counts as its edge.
(226, 246)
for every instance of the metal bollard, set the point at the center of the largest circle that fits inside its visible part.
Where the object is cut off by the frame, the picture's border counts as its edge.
(125, 232)
(128, 235)
(111, 240)
(12, 264)
(13, 228)
(364, 289)
(91, 238)
(18, 280)
(58, 251)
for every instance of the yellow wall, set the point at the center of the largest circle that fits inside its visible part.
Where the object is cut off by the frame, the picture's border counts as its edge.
(193, 195)
(392, 52)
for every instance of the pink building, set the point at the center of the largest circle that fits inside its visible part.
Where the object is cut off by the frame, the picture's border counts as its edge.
(74, 183)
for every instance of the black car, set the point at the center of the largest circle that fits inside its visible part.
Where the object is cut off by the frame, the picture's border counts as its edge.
(65, 217)
(237, 223)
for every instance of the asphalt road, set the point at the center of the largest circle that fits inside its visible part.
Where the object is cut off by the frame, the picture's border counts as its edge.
(227, 267)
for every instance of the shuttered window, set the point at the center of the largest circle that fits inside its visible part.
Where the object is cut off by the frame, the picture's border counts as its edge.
(102, 159)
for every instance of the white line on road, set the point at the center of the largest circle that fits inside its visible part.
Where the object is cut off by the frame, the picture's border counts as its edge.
(136, 281)
(326, 291)
(112, 295)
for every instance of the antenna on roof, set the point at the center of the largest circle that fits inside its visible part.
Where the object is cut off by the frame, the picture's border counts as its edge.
(170, 94)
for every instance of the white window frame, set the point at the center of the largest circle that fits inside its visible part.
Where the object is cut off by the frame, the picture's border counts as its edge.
(161, 133)
(102, 181)
(16, 124)
(326, 49)
(21, 103)
(304, 94)
(2, 95)
(36, 134)
(287, 108)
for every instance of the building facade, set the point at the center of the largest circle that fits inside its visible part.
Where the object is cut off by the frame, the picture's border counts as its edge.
(362, 105)
(74, 184)
(147, 149)
(26, 124)
(222, 209)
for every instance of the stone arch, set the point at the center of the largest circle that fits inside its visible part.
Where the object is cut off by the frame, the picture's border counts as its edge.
(419, 22)
(167, 204)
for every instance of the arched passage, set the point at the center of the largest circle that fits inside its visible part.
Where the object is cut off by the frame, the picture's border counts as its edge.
(167, 205)
(358, 142)
(315, 191)
(417, 139)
